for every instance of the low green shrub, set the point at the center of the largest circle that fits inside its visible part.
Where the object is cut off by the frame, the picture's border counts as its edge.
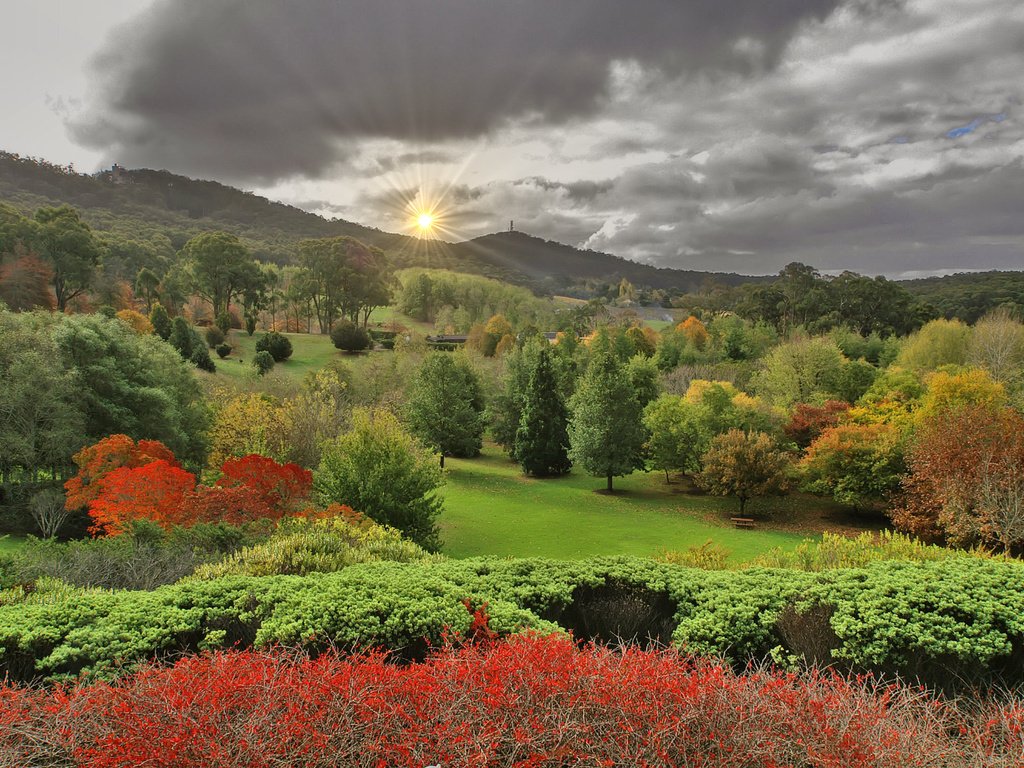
(957, 621)
(263, 362)
(277, 344)
(303, 546)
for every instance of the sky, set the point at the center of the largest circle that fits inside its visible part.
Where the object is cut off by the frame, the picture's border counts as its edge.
(881, 136)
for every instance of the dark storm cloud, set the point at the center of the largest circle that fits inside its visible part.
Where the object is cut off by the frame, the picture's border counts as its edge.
(254, 89)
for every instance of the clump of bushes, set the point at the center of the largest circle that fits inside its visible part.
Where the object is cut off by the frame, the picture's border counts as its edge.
(223, 350)
(486, 703)
(263, 362)
(277, 344)
(349, 337)
(947, 623)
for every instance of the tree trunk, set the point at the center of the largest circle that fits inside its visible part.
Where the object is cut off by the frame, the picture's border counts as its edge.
(609, 482)
(442, 460)
(743, 503)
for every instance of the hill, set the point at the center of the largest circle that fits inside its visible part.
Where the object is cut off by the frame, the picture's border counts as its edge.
(142, 204)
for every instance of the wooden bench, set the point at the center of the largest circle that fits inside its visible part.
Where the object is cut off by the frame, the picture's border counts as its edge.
(742, 522)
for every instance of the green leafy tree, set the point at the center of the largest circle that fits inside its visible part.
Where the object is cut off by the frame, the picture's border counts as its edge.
(542, 440)
(67, 242)
(349, 337)
(220, 268)
(277, 344)
(674, 440)
(379, 469)
(42, 422)
(263, 362)
(939, 343)
(133, 385)
(343, 278)
(445, 406)
(605, 430)
(746, 465)
(801, 371)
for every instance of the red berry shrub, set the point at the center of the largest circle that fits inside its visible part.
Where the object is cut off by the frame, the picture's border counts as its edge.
(528, 701)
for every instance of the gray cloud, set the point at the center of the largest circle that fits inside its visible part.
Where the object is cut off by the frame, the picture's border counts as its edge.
(255, 89)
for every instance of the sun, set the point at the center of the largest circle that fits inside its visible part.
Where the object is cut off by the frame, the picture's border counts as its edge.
(425, 221)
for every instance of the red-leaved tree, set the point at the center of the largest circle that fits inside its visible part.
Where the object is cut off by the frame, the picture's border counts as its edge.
(280, 487)
(99, 459)
(154, 491)
(233, 505)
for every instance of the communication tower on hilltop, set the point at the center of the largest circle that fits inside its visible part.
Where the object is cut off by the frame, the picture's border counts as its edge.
(511, 225)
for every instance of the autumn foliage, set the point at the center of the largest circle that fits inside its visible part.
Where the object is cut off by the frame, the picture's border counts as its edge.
(808, 421)
(966, 482)
(528, 702)
(98, 460)
(154, 491)
(279, 487)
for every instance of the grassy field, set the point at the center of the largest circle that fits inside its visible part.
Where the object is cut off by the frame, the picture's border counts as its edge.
(10, 543)
(492, 509)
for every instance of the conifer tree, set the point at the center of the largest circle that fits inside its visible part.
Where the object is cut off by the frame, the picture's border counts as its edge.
(445, 406)
(542, 440)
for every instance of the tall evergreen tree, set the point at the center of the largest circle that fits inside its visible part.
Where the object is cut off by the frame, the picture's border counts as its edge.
(542, 440)
(445, 406)
(605, 430)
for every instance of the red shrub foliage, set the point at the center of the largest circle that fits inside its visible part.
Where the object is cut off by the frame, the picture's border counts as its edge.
(525, 702)
(808, 421)
(154, 491)
(343, 511)
(97, 460)
(282, 487)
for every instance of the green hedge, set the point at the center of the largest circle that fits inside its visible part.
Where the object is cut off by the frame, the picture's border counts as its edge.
(959, 620)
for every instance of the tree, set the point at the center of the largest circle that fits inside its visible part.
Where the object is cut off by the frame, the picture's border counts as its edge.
(277, 344)
(379, 469)
(966, 481)
(48, 511)
(137, 321)
(67, 242)
(673, 443)
(746, 465)
(281, 487)
(505, 411)
(230, 505)
(220, 268)
(694, 332)
(161, 322)
(247, 424)
(542, 440)
(445, 406)
(263, 362)
(605, 431)
(154, 491)
(133, 385)
(997, 345)
(856, 464)
(808, 421)
(96, 461)
(348, 337)
(25, 283)
(147, 285)
(42, 419)
(190, 345)
(343, 278)
(939, 343)
(800, 371)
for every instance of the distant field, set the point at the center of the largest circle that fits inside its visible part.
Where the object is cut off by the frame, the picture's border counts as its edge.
(492, 509)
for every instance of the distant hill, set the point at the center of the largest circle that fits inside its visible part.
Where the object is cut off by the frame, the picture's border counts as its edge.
(140, 204)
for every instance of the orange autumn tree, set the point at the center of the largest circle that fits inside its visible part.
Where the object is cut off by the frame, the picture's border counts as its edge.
(694, 331)
(154, 491)
(280, 487)
(98, 460)
(233, 505)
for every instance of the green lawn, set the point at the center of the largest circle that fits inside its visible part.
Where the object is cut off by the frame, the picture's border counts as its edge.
(10, 543)
(492, 509)
(310, 352)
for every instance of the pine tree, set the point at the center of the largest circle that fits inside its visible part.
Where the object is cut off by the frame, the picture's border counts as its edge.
(605, 430)
(445, 406)
(542, 440)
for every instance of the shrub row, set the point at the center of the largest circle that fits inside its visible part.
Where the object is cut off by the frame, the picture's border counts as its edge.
(959, 620)
(531, 701)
